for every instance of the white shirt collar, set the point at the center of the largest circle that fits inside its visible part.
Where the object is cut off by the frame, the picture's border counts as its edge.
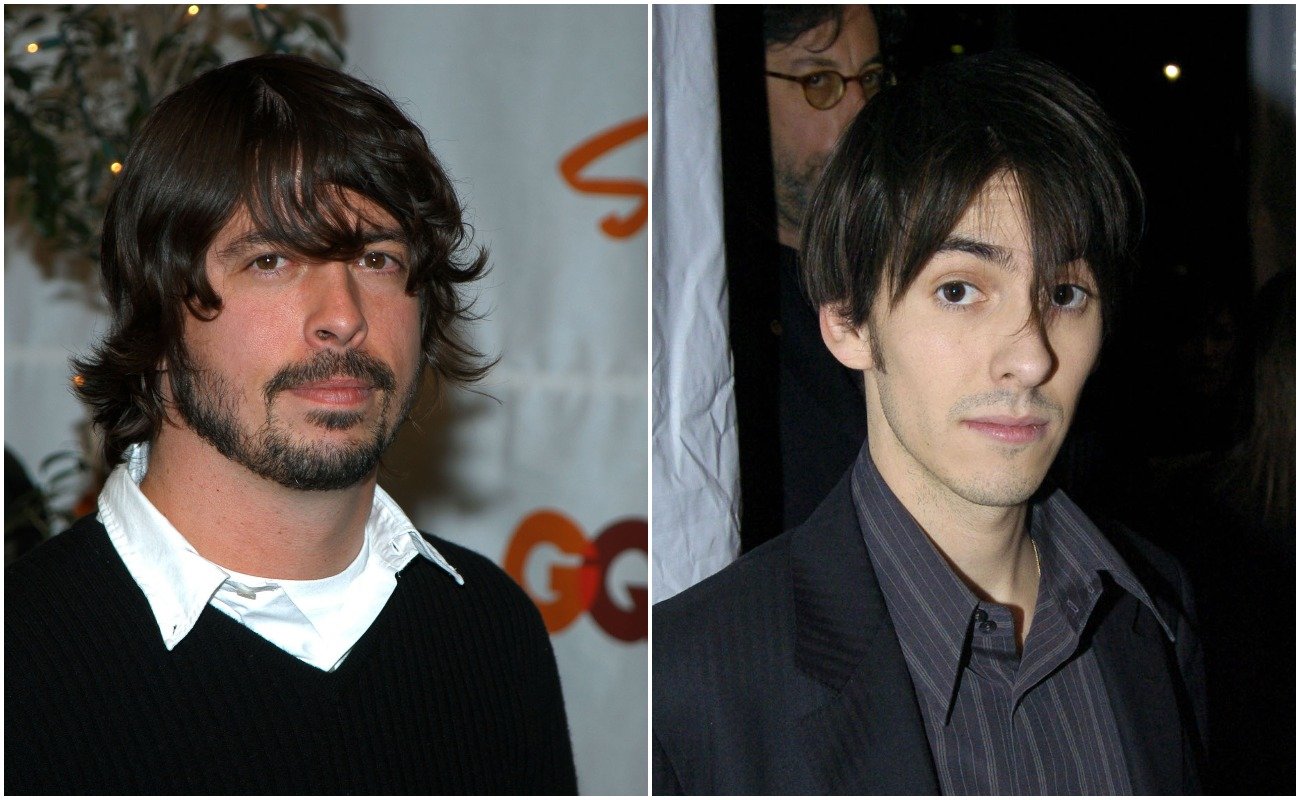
(179, 583)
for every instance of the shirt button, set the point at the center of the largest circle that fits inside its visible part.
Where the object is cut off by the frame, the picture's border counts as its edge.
(981, 615)
(988, 626)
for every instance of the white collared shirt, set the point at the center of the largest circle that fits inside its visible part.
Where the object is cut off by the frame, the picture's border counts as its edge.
(317, 621)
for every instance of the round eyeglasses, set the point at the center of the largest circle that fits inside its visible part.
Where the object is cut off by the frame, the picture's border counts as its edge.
(824, 89)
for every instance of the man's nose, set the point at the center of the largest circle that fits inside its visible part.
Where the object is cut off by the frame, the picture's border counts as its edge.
(335, 316)
(1024, 357)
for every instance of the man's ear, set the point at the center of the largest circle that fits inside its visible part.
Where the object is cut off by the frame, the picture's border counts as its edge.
(851, 346)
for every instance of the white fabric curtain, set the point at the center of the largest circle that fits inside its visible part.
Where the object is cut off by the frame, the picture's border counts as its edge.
(696, 491)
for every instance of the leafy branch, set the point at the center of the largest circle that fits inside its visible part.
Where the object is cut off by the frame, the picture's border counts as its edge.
(79, 81)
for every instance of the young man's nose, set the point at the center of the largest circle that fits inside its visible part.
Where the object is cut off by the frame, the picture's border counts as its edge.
(1024, 357)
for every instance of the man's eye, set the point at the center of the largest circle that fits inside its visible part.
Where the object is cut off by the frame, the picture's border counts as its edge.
(1069, 296)
(815, 80)
(958, 293)
(378, 261)
(268, 263)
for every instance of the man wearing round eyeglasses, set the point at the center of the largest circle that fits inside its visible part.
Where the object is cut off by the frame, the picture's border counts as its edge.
(823, 64)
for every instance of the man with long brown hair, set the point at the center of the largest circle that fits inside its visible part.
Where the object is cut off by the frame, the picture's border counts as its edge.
(249, 611)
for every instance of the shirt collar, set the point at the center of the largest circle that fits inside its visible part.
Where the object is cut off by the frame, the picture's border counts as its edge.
(1072, 546)
(179, 583)
(932, 609)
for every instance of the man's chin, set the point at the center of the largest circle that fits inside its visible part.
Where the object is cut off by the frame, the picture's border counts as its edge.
(1001, 485)
(315, 455)
(318, 467)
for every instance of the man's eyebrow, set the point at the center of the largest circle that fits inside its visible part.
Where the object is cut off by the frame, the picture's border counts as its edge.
(813, 61)
(253, 240)
(875, 61)
(984, 251)
(245, 241)
(372, 235)
(823, 62)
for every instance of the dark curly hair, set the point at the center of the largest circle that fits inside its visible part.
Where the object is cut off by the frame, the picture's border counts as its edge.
(285, 139)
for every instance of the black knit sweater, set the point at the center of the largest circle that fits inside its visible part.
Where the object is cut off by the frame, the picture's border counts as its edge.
(453, 690)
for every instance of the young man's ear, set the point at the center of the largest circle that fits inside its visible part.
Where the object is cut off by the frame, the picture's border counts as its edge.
(850, 345)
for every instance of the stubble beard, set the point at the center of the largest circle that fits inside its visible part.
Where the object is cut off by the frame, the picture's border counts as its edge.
(208, 404)
(1005, 489)
(794, 183)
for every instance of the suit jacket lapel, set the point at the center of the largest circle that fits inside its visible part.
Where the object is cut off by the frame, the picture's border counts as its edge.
(869, 739)
(1136, 667)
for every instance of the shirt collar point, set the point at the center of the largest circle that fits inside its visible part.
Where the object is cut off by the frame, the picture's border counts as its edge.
(424, 548)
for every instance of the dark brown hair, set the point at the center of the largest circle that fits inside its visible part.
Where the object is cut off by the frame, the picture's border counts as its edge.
(783, 24)
(914, 159)
(283, 138)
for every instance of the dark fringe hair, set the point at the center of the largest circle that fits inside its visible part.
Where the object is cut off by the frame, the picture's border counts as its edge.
(283, 138)
(915, 158)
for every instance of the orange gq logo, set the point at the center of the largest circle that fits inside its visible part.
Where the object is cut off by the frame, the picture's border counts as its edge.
(578, 587)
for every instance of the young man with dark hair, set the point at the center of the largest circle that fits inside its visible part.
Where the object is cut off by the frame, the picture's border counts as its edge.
(249, 612)
(944, 622)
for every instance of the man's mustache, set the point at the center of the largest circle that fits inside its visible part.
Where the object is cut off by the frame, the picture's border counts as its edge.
(332, 364)
(1006, 399)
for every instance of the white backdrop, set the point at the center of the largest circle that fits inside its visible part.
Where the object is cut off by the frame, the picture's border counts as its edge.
(504, 95)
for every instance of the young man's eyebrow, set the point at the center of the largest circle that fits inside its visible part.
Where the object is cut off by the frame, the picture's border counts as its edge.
(985, 251)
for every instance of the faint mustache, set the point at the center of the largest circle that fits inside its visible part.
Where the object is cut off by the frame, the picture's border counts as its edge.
(331, 364)
(1002, 398)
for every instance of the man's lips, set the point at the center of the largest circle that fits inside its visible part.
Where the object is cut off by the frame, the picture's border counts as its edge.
(335, 391)
(1010, 430)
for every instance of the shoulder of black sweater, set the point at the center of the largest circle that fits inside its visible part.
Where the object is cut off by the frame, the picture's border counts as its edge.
(82, 556)
(486, 584)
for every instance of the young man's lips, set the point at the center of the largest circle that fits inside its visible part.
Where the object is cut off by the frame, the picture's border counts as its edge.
(1011, 430)
(339, 391)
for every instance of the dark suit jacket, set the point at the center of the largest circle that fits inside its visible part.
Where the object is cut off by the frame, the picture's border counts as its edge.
(782, 674)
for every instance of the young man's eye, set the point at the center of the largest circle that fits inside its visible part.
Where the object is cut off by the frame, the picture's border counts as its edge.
(1069, 296)
(957, 293)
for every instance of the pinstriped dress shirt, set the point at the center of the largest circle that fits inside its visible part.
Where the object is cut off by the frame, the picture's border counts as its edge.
(999, 722)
